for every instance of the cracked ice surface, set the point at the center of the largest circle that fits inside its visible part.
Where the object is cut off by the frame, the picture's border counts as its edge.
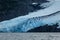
(27, 22)
(41, 21)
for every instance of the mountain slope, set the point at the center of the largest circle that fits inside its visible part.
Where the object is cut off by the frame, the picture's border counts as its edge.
(32, 20)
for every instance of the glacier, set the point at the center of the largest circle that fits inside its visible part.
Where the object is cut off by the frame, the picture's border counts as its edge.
(50, 16)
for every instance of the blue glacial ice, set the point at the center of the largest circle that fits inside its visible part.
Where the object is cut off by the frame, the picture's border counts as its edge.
(33, 19)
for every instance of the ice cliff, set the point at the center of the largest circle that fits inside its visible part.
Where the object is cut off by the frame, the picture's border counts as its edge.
(50, 16)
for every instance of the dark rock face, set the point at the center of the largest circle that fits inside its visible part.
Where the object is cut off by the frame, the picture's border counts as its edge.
(46, 28)
(13, 8)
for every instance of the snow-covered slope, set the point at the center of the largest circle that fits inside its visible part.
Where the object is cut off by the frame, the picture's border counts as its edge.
(34, 19)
